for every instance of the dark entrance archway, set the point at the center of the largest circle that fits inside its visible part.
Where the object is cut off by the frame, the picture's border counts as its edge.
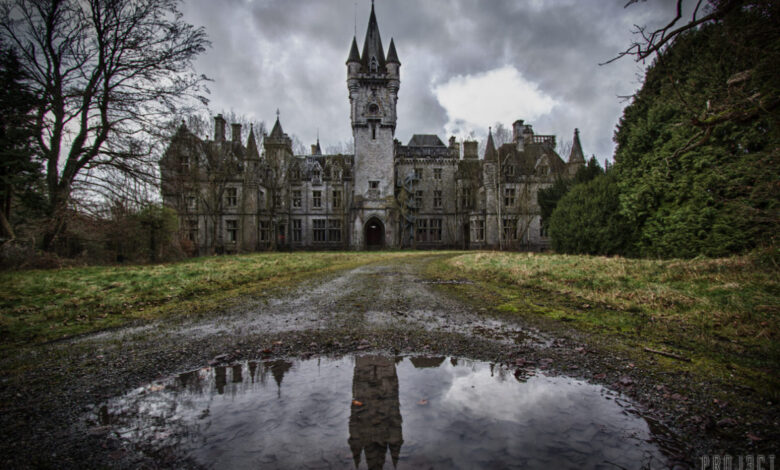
(375, 234)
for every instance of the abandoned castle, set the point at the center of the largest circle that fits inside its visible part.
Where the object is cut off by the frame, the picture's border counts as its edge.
(236, 197)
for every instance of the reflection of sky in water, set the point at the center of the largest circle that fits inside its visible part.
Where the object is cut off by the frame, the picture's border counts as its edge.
(438, 412)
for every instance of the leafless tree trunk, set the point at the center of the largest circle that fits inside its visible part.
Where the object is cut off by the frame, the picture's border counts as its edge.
(108, 72)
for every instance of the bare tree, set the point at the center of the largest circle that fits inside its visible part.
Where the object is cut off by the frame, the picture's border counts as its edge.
(108, 72)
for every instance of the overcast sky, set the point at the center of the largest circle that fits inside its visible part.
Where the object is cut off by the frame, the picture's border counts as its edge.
(466, 64)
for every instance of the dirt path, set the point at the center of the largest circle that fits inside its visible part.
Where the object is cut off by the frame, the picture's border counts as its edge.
(45, 391)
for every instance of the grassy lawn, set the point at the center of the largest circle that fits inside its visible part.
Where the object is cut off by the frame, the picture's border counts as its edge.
(722, 314)
(44, 305)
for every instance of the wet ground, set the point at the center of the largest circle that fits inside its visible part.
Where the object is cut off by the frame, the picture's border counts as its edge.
(91, 402)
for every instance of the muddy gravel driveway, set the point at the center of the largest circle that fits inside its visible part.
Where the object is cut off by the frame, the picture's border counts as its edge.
(50, 395)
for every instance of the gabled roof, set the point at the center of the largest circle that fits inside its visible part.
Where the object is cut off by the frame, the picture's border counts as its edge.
(425, 140)
(372, 47)
(354, 55)
(392, 55)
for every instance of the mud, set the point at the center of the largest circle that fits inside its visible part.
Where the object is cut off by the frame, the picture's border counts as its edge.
(383, 309)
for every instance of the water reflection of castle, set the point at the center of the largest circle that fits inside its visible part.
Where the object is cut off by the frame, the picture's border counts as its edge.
(375, 421)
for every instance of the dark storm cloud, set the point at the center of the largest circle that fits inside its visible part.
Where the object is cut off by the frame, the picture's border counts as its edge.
(290, 54)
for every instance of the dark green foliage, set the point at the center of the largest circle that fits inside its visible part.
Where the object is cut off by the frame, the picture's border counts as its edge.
(548, 197)
(20, 172)
(587, 220)
(697, 159)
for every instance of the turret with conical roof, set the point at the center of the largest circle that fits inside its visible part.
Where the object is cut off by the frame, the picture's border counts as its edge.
(576, 155)
(373, 57)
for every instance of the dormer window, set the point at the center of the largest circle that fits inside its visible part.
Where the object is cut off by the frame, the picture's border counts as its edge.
(315, 175)
(374, 67)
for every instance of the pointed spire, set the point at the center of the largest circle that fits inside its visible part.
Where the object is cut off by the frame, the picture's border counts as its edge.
(251, 142)
(576, 155)
(490, 148)
(372, 47)
(354, 55)
(392, 55)
(277, 132)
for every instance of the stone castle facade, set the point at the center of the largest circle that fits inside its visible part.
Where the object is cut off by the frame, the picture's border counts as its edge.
(233, 196)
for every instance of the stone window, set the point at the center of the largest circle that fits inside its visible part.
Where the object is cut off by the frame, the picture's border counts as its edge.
(192, 230)
(316, 199)
(422, 230)
(437, 198)
(373, 185)
(509, 197)
(418, 199)
(437, 173)
(334, 230)
(466, 200)
(260, 196)
(296, 199)
(232, 230)
(336, 199)
(544, 170)
(231, 197)
(435, 230)
(297, 230)
(185, 162)
(479, 230)
(264, 231)
(510, 170)
(191, 202)
(429, 230)
(418, 173)
(510, 229)
(543, 231)
(316, 175)
(319, 231)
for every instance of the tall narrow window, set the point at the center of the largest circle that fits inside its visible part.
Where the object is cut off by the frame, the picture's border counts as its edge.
(334, 230)
(296, 199)
(297, 231)
(336, 199)
(316, 198)
(373, 131)
(509, 197)
(264, 231)
(418, 199)
(232, 230)
(192, 232)
(437, 199)
(422, 230)
(510, 229)
(437, 173)
(231, 198)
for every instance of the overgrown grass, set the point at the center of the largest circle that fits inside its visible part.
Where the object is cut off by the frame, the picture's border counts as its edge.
(50, 304)
(720, 313)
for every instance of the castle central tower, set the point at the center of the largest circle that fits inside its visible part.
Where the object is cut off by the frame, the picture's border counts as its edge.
(373, 80)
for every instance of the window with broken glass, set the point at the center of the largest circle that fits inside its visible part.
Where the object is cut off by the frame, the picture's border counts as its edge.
(296, 199)
(297, 230)
(510, 229)
(231, 227)
(264, 231)
(336, 199)
(334, 230)
(465, 198)
(319, 230)
(479, 230)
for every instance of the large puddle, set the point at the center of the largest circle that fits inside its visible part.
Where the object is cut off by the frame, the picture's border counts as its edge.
(374, 411)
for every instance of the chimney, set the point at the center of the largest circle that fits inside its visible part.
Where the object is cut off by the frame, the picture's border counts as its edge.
(470, 150)
(517, 130)
(235, 129)
(219, 128)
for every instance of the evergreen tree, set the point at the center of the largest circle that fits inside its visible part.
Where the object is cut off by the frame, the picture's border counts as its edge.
(20, 172)
(587, 220)
(697, 156)
(548, 197)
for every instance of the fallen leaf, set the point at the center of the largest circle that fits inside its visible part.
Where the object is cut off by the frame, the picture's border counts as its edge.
(357, 403)
(754, 438)
(600, 376)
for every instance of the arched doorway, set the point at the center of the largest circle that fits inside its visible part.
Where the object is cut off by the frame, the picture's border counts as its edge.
(375, 234)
